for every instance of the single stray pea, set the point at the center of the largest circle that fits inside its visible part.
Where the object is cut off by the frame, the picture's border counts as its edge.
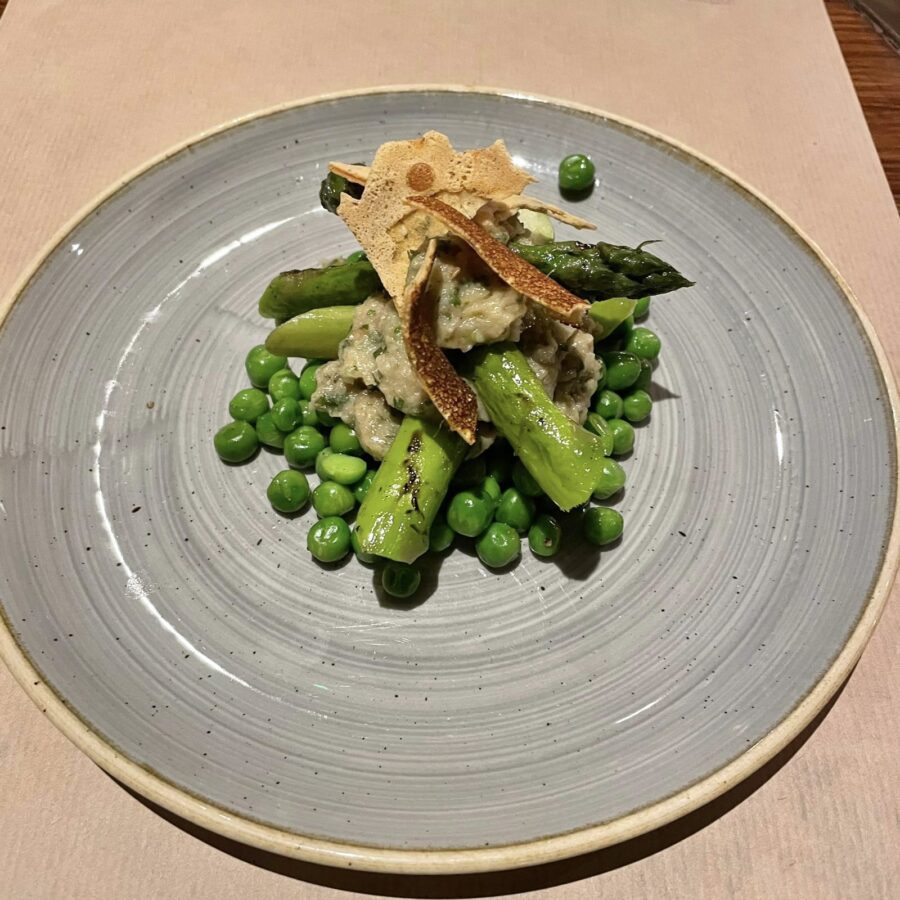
(307, 413)
(545, 536)
(576, 173)
(440, 537)
(248, 405)
(637, 406)
(608, 404)
(365, 558)
(343, 469)
(321, 456)
(236, 442)
(332, 499)
(602, 525)
(642, 308)
(329, 539)
(623, 436)
(643, 380)
(284, 384)
(470, 513)
(268, 432)
(491, 487)
(622, 369)
(611, 481)
(515, 510)
(524, 480)
(362, 486)
(643, 343)
(302, 446)
(286, 414)
(400, 580)
(262, 365)
(288, 491)
(498, 546)
(343, 439)
(308, 380)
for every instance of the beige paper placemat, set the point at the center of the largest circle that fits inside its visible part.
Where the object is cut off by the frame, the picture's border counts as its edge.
(89, 90)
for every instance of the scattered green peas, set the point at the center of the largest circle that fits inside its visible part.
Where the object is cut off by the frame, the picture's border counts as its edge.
(284, 384)
(343, 439)
(545, 536)
(524, 480)
(642, 308)
(362, 486)
(498, 546)
(262, 365)
(400, 580)
(441, 535)
(643, 343)
(286, 414)
(471, 473)
(491, 487)
(329, 539)
(602, 525)
(576, 173)
(308, 380)
(321, 456)
(308, 415)
(643, 380)
(268, 432)
(288, 491)
(515, 510)
(599, 426)
(248, 405)
(622, 369)
(612, 480)
(623, 436)
(608, 404)
(332, 499)
(301, 447)
(470, 513)
(236, 442)
(637, 406)
(365, 558)
(343, 468)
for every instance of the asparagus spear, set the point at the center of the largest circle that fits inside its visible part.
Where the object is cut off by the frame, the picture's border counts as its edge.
(343, 283)
(316, 334)
(565, 459)
(331, 188)
(409, 487)
(599, 271)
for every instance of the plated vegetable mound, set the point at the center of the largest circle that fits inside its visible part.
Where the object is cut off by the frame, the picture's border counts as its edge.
(466, 377)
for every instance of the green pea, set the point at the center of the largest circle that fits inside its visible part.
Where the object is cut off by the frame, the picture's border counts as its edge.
(365, 558)
(612, 480)
(268, 432)
(332, 499)
(321, 456)
(608, 404)
(441, 535)
(343, 439)
(643, 380)
(637, 406)
(286, 414)
(400, 580)
(325, 420)
(498, 546)
(545, 536)
(307, 413)
(491, 487)
(470, 474)
(302, 446)
(329, 539)
(598, 425)
(516, 510)
(236, 442)
(470, 513)
(248, 405)
(622, 369)
(363, 485)
(643, 343)
(524, 480)
(288, 491)
(308, 380)
(343, 468)
(602, 525)
(576, 173)
(623, 436)
(262, 365)
(284, 384)
(642, 308)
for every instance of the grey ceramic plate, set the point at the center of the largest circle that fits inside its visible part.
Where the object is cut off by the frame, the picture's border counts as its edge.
(175, 629)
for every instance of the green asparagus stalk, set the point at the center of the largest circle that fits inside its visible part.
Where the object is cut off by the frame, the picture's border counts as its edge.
(565, 459)
(316, 334)
(331, 188)
(600, 271)
(402, 502)
(344, 283)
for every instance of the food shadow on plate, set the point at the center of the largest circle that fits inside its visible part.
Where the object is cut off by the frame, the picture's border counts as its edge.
(490, 884)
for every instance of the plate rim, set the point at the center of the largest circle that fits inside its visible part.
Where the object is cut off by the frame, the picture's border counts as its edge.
(229, 824)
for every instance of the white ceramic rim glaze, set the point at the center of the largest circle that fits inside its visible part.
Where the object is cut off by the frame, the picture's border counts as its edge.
(509, 856)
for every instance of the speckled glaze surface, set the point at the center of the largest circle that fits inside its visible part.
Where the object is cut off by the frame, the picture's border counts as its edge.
(185, 639)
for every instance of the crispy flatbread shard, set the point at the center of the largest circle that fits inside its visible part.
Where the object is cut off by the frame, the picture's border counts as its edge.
(388, 229)
(355, 174)
(567, 218)
(518, 274)
(452, 397)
